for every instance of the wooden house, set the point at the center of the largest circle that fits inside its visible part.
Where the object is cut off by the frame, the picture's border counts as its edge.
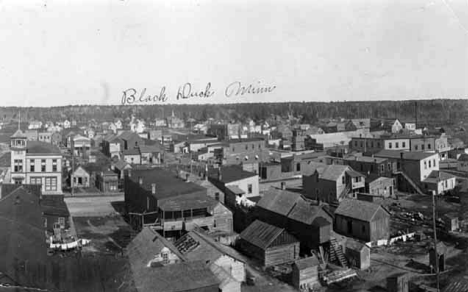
(362, 220)
(309, 223)
(269, 244)
(398, 283)
(107, 181)
(305, 273)
(55, 212)
(80, 177)
(441, 252)
(358, 254)
(451, 222)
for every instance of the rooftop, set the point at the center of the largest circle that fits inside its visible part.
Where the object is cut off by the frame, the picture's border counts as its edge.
(231, 173)
(264, 235)
(396, 154)
(42, 148)
(367, 159)
(307, 263)
(356, 209)
(167, 183)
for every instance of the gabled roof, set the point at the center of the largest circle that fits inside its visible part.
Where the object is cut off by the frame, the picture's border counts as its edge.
(18, 134)
(146, 245)
(360, 210)
(308, 214)
(195, 245)
(180, 277)
(264, 235)
(54, 205)
(279, 201)
(131, 152)
(463, 157)
(121, 165)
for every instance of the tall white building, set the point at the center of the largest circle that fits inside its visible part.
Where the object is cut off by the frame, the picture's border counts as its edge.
(34, 162)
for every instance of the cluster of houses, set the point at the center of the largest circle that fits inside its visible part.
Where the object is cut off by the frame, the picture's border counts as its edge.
(231, 193)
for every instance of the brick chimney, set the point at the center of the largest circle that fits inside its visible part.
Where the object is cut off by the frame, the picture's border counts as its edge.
(153, 188)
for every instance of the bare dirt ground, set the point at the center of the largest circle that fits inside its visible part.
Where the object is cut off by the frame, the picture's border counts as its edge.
(92, 206)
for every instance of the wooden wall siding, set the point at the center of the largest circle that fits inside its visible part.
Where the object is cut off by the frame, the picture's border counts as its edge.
(308, 276)
(281, 254)
(252, 250)
(359, 259)
(373, 231)
(235, 267)
(271, 217)
(359, 229)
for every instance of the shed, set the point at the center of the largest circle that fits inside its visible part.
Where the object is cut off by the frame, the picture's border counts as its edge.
(451, 221)
(305, 273)
(362, 220)
(80, 177)
(398, 283)
(269, 244)
(358, 254)
(441, 250)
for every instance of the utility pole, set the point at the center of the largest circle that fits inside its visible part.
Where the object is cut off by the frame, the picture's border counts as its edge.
(73, 168)
(435, 239)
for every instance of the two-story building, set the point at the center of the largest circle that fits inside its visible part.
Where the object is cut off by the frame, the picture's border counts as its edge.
(172, 204)
(414, 167)
(369, 165)
(331, 183)
(37, 163)
(81, 146)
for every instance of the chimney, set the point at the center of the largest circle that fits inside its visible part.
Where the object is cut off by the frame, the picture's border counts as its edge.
(140, 180)
(153, 188)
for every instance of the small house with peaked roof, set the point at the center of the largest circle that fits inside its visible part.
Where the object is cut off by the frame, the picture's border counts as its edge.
(80, 177)
(305, 273)
(362, 220)
(441, 254)
(269, 244)
(358, 254)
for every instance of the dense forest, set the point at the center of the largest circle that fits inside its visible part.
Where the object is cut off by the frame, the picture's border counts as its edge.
(441, 111)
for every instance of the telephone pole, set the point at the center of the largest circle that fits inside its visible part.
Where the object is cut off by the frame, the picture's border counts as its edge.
(435, 240)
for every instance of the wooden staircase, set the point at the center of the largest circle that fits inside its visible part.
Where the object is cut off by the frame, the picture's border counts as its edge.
(410, 181)
(336, 253)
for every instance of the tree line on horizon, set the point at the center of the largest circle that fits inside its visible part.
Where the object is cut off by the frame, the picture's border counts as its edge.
(428, 111)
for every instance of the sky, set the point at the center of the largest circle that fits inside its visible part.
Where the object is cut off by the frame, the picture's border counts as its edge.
(62, 52)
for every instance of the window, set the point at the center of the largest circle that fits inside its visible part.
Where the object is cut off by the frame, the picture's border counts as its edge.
(430, 164)
(298, 167)
(382, 167)
(246, 147)
(43, 165)
(18, 165)
(355, 143)
(372, 144)
(362, 144)
(31, 165)
(396, 145)
(390, 145)
(50, 183)
(165, 257)
(389, 165)
(343, 179)
(54, 165)
(415, 147)
(217, 196)
(249, 188)
(403, 144)
(358, 179)
(425, 164)
(378, 144)
(35, 180)
(422, 147)
(428, 146)
(363, 229)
